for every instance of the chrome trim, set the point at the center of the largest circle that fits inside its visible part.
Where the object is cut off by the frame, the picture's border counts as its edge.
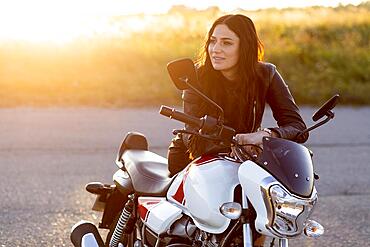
(254, 115)
(265, 187)
(268, 181)
(283, 242)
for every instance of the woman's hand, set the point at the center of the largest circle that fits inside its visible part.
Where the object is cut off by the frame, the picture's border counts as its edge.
(252, 139)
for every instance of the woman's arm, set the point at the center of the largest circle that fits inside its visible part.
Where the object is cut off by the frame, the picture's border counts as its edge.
(178, 156)
(285, 110)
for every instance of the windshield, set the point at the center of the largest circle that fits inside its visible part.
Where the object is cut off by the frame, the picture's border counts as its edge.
(290, 163)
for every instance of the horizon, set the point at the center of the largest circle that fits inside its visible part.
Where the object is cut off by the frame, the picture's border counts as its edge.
(61, 22)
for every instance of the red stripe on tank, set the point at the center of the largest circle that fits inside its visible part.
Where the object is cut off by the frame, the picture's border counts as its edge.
(179, 196)
(206, 159)
(144, 209)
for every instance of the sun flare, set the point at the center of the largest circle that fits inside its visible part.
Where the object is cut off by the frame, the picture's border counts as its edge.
(56, 21)
(43, 21)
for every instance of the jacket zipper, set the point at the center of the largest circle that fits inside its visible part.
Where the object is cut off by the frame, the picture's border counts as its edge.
(254, 115)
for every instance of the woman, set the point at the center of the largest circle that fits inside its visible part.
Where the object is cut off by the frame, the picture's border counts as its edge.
(231, 73)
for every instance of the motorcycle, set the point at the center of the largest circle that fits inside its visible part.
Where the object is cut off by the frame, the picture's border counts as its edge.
(217, 200)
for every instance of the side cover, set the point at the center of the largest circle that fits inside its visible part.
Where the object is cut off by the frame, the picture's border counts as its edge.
(157, 213)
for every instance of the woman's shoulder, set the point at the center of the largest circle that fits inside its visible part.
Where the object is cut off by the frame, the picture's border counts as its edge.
(266, 70)
(267, 67)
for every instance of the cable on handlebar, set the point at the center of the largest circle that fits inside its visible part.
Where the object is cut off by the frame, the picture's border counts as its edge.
(243, 154)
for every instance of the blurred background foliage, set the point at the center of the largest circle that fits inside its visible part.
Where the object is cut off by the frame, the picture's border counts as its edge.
(319, 51)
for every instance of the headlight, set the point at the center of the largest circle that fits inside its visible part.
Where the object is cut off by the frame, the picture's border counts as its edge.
(290, 212)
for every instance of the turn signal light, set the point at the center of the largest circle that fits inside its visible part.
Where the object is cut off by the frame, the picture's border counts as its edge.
(231, 210)
(313, 229)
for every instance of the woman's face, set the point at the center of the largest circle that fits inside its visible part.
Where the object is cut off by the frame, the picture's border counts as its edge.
(223, 50)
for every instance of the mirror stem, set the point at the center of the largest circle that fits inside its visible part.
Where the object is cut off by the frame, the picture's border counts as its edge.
(330, 115)
(221, 117)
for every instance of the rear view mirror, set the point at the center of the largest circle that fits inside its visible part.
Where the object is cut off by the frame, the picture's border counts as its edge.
(325, 110)
(182, 73)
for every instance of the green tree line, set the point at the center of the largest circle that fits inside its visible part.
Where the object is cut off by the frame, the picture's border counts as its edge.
(319, 51)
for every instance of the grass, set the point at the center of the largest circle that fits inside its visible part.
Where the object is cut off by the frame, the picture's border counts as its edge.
(319, 51)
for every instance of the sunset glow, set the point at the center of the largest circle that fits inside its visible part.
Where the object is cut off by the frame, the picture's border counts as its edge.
(46, 21)
(111, 53)
(67, 20)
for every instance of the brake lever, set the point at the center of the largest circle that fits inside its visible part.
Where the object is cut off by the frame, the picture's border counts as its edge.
(209, 137)
(182, 131)
(244, 153)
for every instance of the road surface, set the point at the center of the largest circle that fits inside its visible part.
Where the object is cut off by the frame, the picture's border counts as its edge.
(48, 155)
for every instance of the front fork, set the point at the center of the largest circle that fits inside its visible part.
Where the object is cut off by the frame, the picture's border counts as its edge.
(283, 242)
(247, 231)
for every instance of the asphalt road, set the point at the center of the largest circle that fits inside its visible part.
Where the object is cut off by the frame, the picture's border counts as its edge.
(48, 155)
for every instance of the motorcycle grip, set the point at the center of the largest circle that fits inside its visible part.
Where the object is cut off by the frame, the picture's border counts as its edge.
(180, 116)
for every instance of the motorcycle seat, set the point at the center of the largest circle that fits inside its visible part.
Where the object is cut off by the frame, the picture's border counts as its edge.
(148, 171)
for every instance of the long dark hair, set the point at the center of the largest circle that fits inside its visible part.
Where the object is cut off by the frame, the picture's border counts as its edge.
(240, 105)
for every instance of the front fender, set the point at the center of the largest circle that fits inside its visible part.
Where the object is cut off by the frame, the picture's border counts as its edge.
(85, 234)
(253, 180)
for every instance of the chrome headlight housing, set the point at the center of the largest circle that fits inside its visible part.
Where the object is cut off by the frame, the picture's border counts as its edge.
(288, 212)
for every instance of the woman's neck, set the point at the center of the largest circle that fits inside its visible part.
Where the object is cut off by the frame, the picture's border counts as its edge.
(230, 74)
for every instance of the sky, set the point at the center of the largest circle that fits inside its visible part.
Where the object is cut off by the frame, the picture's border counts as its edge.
(115, 7)
(64, 20)
(255, 4)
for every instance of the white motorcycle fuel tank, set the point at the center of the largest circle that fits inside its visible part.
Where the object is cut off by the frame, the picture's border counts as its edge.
(202, 187)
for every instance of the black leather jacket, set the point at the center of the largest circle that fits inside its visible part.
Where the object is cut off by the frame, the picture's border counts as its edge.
(276, 94)
(279, 98)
